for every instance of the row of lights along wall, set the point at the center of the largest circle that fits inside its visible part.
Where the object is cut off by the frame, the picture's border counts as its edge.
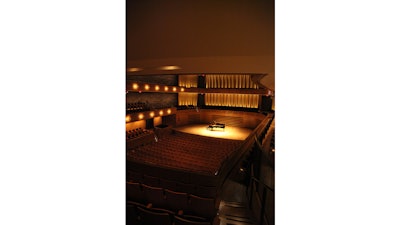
(151, 114)
(148, 87)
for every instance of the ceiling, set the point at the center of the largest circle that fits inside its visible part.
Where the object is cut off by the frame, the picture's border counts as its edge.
(207, 36)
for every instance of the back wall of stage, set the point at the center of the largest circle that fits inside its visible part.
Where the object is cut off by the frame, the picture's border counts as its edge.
(229, 118)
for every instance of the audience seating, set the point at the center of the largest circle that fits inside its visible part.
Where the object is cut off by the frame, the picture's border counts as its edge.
(183, 187)
(176, 201)
(132, 216)
(135, 176)
(134, 192)
(168, 184)
(206, 191)
(151, 181)
(195, 153)
(151, 217)
(179, 203)
(138, 214)
(203, 207)
(154, 195)
(180, 220)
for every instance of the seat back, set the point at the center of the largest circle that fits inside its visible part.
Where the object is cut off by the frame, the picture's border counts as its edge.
(132, 216)
(185, 221)
(148, 217)
(184, 187)
(154, 195)
(176, 200)
(134, 192)
(134, 176)
(206, 191)
(151, 181)
(168, 184)
(204, 207)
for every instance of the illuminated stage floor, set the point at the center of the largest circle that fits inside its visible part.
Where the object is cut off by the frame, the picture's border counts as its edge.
(234, 133)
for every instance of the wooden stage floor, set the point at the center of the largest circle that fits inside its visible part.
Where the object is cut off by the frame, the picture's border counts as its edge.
(233, 133)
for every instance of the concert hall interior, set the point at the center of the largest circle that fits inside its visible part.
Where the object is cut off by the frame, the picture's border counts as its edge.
(200, 112)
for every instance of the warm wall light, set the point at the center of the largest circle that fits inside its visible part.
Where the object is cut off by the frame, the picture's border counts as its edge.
(157, 87)
(174, 88)
(151, 114)
(135, 86)
(128, 118)
(161, 112)
(134, 69)
(140, 116)
(169, 68)
(169, 111)
(182, 89)
(165, 88)
(146, 87)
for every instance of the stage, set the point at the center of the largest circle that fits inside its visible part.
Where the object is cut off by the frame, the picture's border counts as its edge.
(233, 133)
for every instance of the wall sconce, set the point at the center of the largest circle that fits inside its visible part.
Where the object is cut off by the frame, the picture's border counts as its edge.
(146, 87)
(165, 88)
(169, 111)
(157, 87)
(135, 86)
(140, 116)
(182, 89)
(174, 88)
(151, 114)
(128, 118)
(161, 113)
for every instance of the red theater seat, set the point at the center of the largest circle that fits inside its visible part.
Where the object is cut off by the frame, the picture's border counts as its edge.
(134, 192)
(203, 207)
(150, 217)
(154, 195)
(177, 201)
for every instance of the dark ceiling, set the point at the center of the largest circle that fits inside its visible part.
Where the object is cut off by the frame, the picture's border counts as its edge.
(201, 36)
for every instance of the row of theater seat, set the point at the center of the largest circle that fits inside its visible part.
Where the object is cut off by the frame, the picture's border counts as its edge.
(196, 189)
(177, 202)
(182, 107)
(139, 214)
(136, 107)
(136, 133)
(187, 152)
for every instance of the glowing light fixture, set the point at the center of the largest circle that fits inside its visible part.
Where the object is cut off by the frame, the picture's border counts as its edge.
(157, 87)
(151, 114)
(165, 88)
(147, 87)
(169, 111)
(134, 69)
(140, 116)
(135, 86)
(169, 68)
(174, 88)
(128, 118)
(182, 89)
(161, 113)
